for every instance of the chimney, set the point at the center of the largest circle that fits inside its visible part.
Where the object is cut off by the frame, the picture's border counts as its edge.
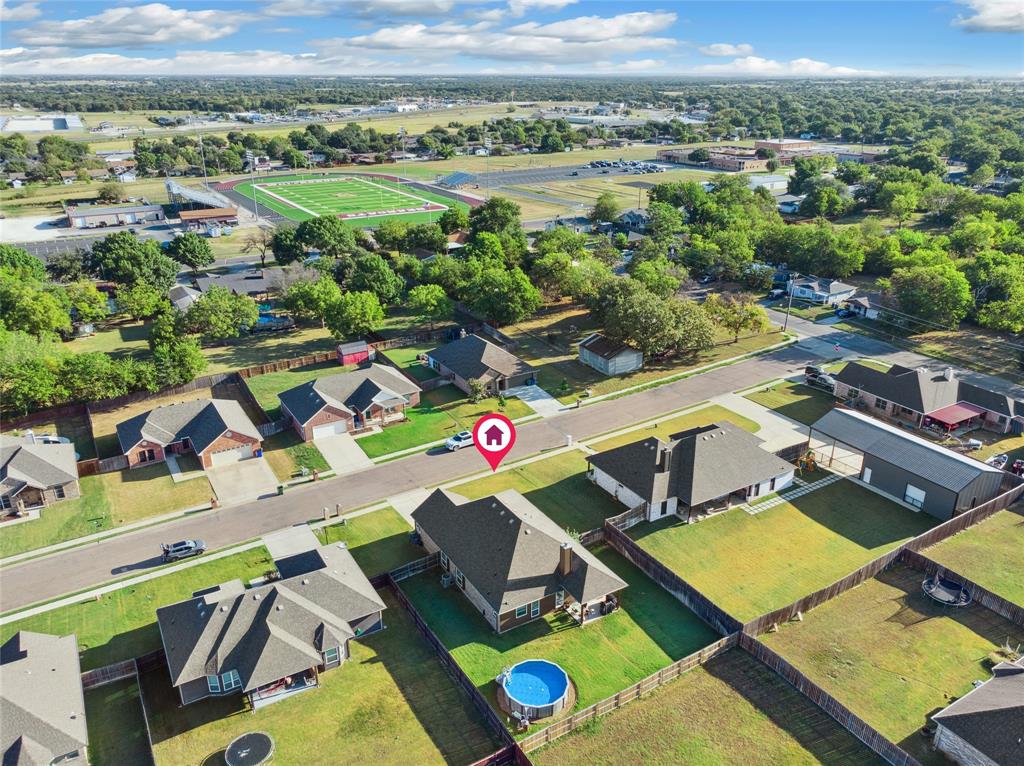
(664, 460)
(565, 559)
(948, 373)
(30, 436)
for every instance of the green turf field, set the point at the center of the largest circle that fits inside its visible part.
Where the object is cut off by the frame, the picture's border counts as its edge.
(359, 200)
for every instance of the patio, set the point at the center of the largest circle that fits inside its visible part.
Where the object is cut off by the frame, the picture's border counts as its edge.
(283, 688)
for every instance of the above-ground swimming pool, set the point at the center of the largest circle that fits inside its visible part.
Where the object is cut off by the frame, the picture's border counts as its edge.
(533, 688)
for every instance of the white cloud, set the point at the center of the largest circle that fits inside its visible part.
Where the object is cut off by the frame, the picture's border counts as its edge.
(803, 67)
(630, 67)
(373, 8)
(727, 49)
(20, 12)
(133, 27)
(590, 28)
(993, 16)
(519, 8)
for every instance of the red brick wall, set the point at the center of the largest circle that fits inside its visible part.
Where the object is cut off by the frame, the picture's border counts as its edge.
(226, 442)
(133, 454)
(322, 418)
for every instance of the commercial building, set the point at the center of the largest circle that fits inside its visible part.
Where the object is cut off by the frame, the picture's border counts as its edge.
(96, 216)
(784, 144)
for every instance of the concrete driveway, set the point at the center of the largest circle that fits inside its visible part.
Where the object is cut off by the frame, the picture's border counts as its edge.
(537, 399)
(243, 481)
(343, 454)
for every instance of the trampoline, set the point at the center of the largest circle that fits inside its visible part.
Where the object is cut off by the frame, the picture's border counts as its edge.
(533, 689)
(946, 592)
(252, 749)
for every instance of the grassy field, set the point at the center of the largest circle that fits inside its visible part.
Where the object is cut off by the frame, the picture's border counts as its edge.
(287, 455)
(118, 338)
(122, 624)
(441, 413)
(990, 553)
(558, 486)
(117, 729)
(768, 721)
(796, 401)
(750, 565)
(389, 700)
(266, 387)
(73, 427)
(648, 632)
(108, 500)
(39, 199)
(804, 309)
(664, 429)
(893, 656)
(407, 359)
(379, 541)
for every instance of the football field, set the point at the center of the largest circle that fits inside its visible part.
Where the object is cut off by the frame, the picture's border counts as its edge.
(362, 200)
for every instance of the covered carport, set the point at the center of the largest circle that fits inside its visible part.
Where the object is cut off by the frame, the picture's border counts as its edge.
(956, 418)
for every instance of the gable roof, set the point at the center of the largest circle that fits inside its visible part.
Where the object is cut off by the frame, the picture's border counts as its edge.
(182, 297)
(697, 465)
(826, 286)
(920, 457)
(42, 707)
(271, 631)
(201, 421)
(598, 344)
(925, 390)
(351, 392)
(991, 716)
(473, 357)
(35, 465)
(509, 550)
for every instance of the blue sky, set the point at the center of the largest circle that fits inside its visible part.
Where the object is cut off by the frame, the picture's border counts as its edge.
(796, 38)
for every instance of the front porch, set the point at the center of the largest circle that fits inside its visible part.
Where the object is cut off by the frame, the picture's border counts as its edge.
(283, 688)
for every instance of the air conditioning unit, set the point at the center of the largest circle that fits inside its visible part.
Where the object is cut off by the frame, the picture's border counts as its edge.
(446, 580)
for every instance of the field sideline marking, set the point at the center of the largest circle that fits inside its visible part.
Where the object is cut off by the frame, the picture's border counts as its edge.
(362, 214)
(269, 193)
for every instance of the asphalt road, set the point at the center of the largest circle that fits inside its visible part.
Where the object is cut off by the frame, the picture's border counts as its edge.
(92, 564)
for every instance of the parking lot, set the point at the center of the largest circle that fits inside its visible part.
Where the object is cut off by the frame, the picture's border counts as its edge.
(543, 175)
(70, 242)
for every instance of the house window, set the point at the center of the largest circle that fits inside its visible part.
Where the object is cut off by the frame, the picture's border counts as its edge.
(881, 403)
(771, 484)
(460, 579)
(535, 608)
(520, 612)
(230, 680)
(1001, 419)
(213, 682)
(914, 496)
(142, 456)
(58, 492)
(559, 598)
(332, 656)
(5, 502)
(444, 561)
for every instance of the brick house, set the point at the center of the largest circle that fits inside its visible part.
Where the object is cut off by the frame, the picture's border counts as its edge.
(35, 475)
(512, 562)
(217, 430)
(473, 358)
(334, 404)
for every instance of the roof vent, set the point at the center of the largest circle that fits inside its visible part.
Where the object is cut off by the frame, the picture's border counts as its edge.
(223, 608)
(280, 607)
(255, 596)
(511, 521)
(305, 581)
(526, 531)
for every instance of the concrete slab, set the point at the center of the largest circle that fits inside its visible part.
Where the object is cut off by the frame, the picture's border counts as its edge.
(537, 399)
(343, 454)
(776, 430)
(290, 542)
(242, 481)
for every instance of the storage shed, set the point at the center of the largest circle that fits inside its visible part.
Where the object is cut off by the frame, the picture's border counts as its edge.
(609, 357)
(356, 352)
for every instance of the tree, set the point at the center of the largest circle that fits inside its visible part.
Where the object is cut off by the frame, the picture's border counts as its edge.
(693, 328)
(982, 176)
(18, 261)
(69, 266)
(477, 390)
(501, 216)
(825, 197)
(503, 296)
(109, 192)
(659, 276)
(191, 250)
(374, 274)
(902, 207)
(425, 236)
(259, 241)
(286, 246)
(699, 155)
(312, 300)
(551, 273)
(354, 315)
(123, 258)
(219, 315)
(455, 218)
(178, 362)
(606, 208)
(736, 314)
(939, 293)
(430, 303)
(138, 301)
(27, 306)
(87, 303)
(637, 316)
(390, 234)
(326, 234)
(665, 221)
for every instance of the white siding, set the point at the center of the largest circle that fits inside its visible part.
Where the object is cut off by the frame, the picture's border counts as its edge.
(959, 749)
(624, 495)
(782, 481)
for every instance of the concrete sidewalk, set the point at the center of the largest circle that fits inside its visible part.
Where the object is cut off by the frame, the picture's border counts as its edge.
(537, 399)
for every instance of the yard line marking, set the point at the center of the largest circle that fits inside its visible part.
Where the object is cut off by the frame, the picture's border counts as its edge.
(279, 198)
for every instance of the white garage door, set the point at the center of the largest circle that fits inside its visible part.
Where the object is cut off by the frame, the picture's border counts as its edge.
(330, 429)
(228, 456)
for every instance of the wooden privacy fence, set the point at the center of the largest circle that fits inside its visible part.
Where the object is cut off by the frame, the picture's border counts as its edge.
(636, 691)
(630, 518)
(696, 601)
(273, 427)
(45, 416)
(413, 568)
(979, 594)
(111, 464)
(92, 679)
(592, 537)
(288, 364)
(1013, 489)
(863, 731)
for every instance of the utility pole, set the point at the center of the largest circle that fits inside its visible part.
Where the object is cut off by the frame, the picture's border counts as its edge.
(789, 304)
(250, 158)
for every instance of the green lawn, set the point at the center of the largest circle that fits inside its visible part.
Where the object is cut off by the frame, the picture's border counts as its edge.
(794, 400)
(379, 541)
(663, 430)
(117, 338)
(650, 631)
(117, 729)
(805, 309)
(266, 387)
(441, 413)
(266, 347)
(750, 565)
(767, 720)
(75, 428)
(990, 553)
(390, 703)
(108, 500)
(122, 624)
(287, 454)
(893, 656)
(406, 358)
(558, 486)
(400, 320)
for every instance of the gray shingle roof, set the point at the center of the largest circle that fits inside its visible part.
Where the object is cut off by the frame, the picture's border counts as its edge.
(905, 450)
(182, 297)
(202, 421)
(269, 632)
(991, 716)
(473, 357)
(826, 286)
(598, 344)
(351, 391)
(37, 465)
(42, 707)
(509, 550)
(696, 466)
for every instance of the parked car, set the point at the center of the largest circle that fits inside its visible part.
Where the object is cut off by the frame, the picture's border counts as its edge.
(776, 293)
(826, 382)
(52, 439)
(575, 173)
(460, 440)
(842, 313)
(707, 279)
(182, 549)
(813, 371)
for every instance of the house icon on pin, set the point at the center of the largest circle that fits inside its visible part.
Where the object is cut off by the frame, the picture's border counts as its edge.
(494, 435)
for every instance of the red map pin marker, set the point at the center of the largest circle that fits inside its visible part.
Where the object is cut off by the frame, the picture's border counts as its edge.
(494, 436)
